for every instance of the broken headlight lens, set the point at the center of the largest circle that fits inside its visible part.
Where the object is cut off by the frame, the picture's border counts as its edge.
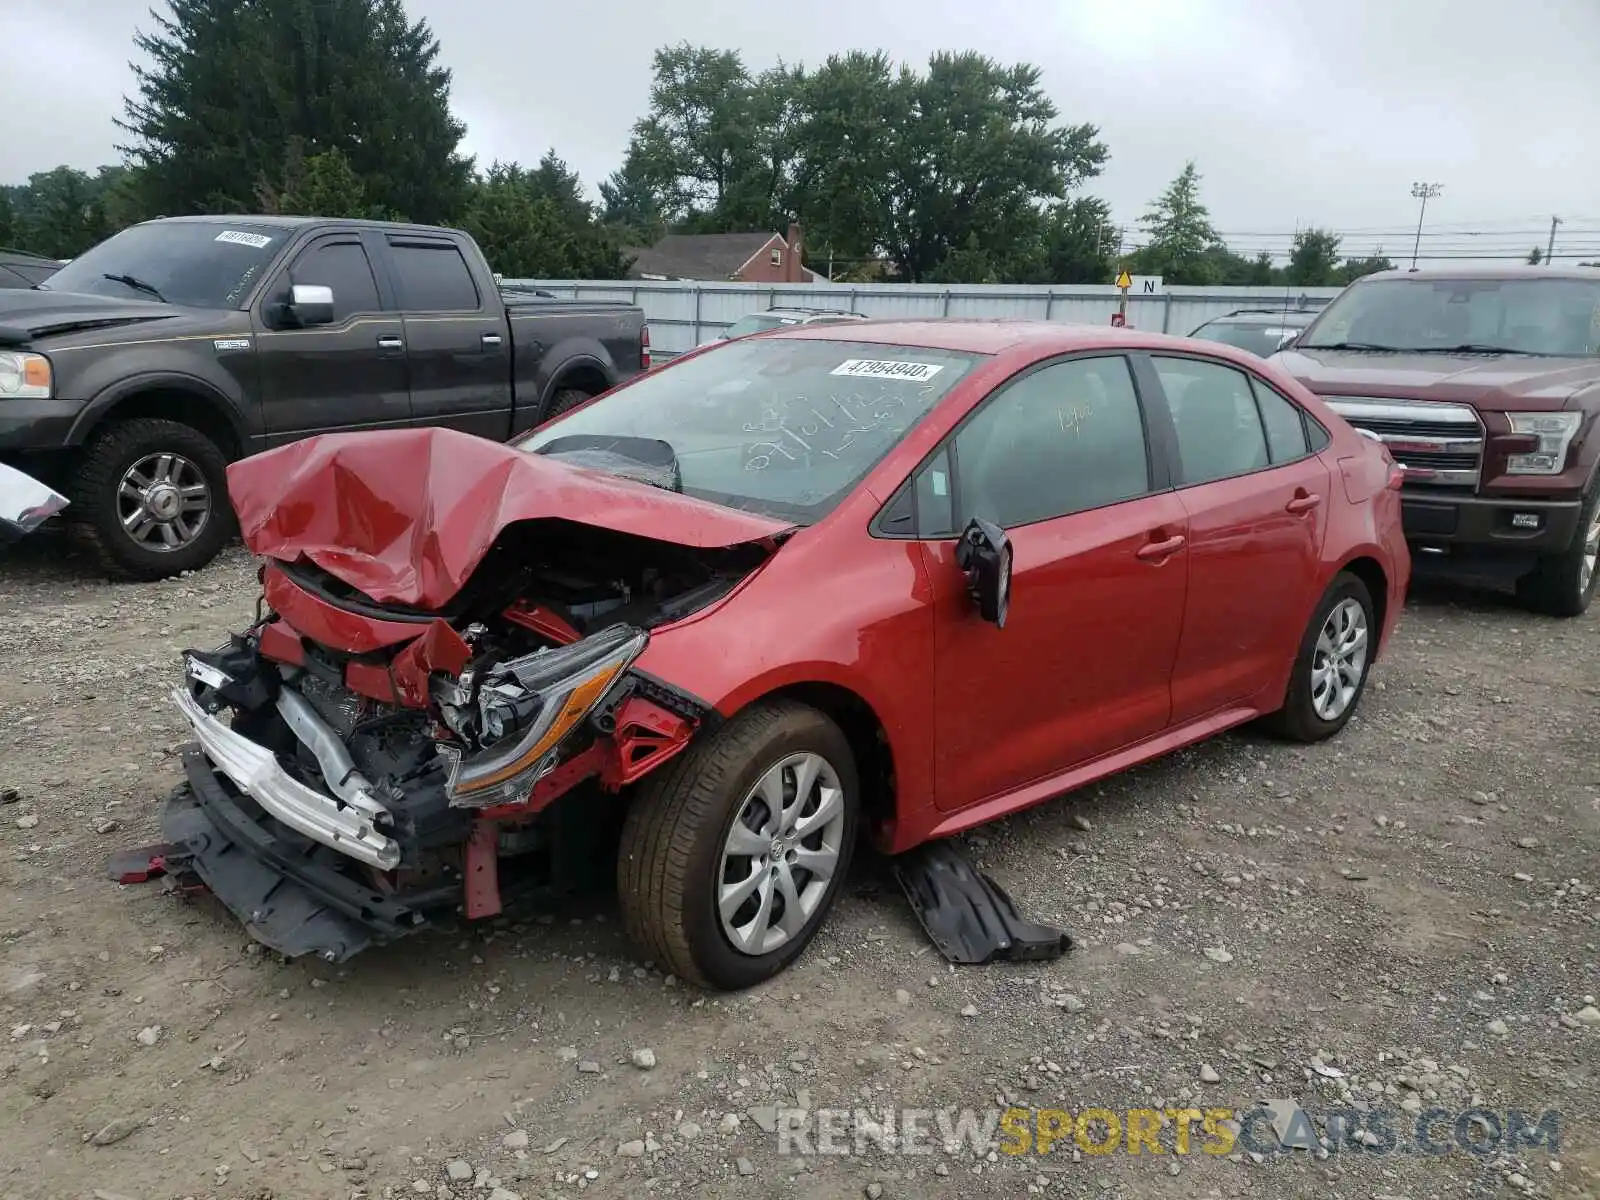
(529, 705)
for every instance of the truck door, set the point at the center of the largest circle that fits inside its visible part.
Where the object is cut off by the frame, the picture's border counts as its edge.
(347, 374)
(457, 341)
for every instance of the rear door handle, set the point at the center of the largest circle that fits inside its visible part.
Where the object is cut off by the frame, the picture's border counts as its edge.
(1158, 551)
(491, 339)
(391, 343)
(1303, 503)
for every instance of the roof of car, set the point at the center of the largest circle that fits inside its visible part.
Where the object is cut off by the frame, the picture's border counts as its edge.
(991, 336)
(800, 310)
(1505, 271)
(1265, 316)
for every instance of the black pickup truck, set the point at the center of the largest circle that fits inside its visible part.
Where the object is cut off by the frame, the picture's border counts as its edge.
(135, 373)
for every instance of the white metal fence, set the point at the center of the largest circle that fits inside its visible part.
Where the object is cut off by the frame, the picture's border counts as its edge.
(682, 314)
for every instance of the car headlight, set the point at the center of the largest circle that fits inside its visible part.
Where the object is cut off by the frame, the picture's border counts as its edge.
(1555, 432)
(529, 706)
(26, 376)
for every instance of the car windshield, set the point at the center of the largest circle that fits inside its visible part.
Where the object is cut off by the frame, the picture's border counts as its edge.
(784, 427)
(201, 264)
(757, 322)
(1261, 340)
(1518, 316)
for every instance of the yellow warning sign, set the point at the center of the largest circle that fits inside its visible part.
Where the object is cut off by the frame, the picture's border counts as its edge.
(1124, 280)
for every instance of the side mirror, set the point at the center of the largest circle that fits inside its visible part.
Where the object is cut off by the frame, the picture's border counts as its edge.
(984, 554)
(1288, 340)
(25, 504)
(309, 304)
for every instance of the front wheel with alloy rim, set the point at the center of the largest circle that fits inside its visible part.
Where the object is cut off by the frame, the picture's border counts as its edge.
(1563, 585)
(1331, 665)
(732, 854)
(151, 496)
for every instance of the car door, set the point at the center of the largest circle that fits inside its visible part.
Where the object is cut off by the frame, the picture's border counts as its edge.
(349, 374)
(1059, 458)
(1257, 500)
(457, 342)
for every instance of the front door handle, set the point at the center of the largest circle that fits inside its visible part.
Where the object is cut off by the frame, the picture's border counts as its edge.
(1160, 551)
(1303, 502)
(491, 340)
(391, 343)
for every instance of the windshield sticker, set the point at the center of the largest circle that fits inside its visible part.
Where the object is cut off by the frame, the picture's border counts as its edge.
(884, 368)
(256, 241)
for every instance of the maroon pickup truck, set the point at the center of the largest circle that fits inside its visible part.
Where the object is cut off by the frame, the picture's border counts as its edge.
(1485, 385)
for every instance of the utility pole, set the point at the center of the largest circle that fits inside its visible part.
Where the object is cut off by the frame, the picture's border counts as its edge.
(1550, 248)
(1423, 192)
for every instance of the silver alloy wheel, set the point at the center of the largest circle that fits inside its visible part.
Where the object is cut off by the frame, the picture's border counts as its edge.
(1339, 659)
(1591, 553)
(781, 853)
(163, 502)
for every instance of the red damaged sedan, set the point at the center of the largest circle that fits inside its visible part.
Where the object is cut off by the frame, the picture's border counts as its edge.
(899, 578)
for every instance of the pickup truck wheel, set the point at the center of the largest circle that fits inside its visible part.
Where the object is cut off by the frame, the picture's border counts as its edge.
(151, 498)
(565, 400)
(733, 853)
(1330, 669)
(1563, 585)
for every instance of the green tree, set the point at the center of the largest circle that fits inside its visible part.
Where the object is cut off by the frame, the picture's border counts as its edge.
(1535, 256)
(321, 185)
(1354, 268)
(1314, 258)
(536, 225)
(701, 149)
(1178, 233)
(227, 87)
(979, 156)
(63, 213)
(633, 203)
(8, 219)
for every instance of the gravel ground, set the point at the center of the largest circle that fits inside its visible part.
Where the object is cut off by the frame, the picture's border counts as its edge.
(1404, 918)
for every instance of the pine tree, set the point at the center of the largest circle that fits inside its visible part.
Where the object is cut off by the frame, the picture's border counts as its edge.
(231, 87)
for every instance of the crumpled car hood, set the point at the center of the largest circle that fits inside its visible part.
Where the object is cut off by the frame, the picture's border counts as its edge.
(405, 516)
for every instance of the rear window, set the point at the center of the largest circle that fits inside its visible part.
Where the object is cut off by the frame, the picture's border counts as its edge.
(780, 426)
(432, 277)
(1260, 340)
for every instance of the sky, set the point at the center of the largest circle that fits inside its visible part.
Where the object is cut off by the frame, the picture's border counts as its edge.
(1296, 114)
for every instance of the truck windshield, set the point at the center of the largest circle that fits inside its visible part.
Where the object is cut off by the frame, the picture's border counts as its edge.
(784, 427)
(200, 264)
(1517, 316)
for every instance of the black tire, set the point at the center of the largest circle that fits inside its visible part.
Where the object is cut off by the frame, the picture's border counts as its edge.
(1556, 586)
(670, 861)
(565, 400)
(1298, 719)
(95, 502)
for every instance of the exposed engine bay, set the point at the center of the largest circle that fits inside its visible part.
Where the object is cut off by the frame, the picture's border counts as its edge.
(407, 752)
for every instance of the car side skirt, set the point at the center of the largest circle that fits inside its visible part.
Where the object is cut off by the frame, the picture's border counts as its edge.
(1076, 777)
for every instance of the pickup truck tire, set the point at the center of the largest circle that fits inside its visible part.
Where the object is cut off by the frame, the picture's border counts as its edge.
(565, 400)
(1563, 585)
(150, 498)
(1335, 653)
(701, 829)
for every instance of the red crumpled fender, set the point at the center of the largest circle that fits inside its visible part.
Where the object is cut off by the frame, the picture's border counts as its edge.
(406, 515)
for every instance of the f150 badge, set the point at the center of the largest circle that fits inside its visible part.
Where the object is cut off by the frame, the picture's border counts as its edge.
(224, 344)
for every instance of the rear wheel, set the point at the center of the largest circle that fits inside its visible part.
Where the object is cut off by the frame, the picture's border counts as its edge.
(732, 855)
(1331, 666)
(151, 497)
(1563, 585)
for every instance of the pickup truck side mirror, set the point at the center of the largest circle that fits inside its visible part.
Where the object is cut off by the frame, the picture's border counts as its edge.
(1287, 341)
(984, 554)
(309, 304)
